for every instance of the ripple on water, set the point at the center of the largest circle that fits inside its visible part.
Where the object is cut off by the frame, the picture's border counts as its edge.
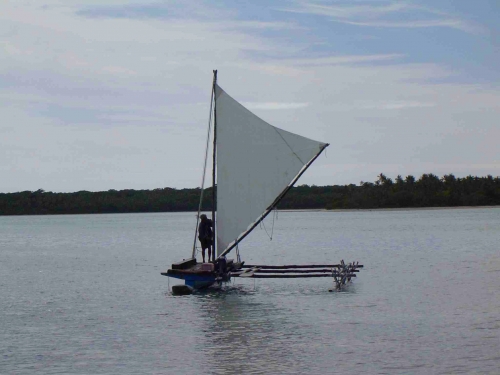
(83, 294)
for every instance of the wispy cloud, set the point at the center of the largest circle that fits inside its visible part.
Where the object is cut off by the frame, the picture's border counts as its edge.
(274, 105)
(350, 11)
(118, 70)
(216, 18)
(383, 14)
(340, 60)
(257, 25)
(452, 23)
(398, 104)
(168, 10)
(294, 67)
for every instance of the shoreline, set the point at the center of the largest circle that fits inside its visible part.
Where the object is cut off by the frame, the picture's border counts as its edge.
(283, 210)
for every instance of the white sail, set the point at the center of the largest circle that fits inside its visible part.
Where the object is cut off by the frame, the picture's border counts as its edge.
(255, 163)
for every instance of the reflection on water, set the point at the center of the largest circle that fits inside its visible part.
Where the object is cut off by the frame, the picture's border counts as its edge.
(241, 327)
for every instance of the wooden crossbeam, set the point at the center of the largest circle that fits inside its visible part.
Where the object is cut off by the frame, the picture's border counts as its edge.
(293, 266)
(259, 276)
(294, 270)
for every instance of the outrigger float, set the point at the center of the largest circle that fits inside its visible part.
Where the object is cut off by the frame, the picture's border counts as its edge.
(254, 165)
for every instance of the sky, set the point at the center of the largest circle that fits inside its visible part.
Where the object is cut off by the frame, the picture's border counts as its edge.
(115, 94)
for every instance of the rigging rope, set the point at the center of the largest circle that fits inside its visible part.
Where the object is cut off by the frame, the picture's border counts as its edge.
(204, 171)
(291, 149)
(263, 225)
(238, 258)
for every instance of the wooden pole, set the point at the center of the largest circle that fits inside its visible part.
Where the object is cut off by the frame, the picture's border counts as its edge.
(257, 276)
(316, 270)
(214, 160)
(293, 266)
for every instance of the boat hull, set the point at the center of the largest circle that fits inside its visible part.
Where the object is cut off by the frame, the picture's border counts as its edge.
(195, 281)
(202, 275)
(193, 277)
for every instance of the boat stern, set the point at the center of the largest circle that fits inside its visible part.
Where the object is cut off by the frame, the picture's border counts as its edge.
(195, 275)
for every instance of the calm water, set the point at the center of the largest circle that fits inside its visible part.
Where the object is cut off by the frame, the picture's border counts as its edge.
(84, 295)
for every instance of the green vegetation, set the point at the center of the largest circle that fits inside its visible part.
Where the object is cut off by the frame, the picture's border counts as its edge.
(428, 191)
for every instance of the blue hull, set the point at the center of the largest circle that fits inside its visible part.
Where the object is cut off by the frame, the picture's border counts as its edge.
(194, 280)
(202, 275)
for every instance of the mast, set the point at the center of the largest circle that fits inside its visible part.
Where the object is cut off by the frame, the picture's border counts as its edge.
(212, 100)
(214, 167)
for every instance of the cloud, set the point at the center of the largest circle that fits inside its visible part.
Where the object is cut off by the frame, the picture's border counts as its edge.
(451, 23)
(273, 105)
(346, 60)
(383, 14)
(114, 102)
(345, 11)
(187, 11)
(11, 50)
(399, 105)
(167, 10)
(118, 70)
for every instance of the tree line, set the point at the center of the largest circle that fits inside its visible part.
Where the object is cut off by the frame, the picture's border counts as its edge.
(428, 191)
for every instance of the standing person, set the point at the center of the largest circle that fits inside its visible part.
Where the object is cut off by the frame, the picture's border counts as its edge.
(205, 236)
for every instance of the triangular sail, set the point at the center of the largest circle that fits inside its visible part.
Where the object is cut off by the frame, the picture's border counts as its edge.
(255, 163)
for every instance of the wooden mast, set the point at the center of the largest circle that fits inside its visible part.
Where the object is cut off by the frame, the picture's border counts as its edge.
(212, 100)
(213, 170)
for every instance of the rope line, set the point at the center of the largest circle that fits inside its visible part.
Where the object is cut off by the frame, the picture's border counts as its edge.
(204, 171)
(263, 225)
(291, 149)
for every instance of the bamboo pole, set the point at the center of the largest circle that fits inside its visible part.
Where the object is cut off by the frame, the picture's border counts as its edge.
(257, 276)
(327, 270)
(293, 266)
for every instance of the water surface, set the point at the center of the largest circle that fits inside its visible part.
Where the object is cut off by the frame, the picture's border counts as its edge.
(83, 294)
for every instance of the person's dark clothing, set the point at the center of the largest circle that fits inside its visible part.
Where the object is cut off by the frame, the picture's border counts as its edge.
(205, 233)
